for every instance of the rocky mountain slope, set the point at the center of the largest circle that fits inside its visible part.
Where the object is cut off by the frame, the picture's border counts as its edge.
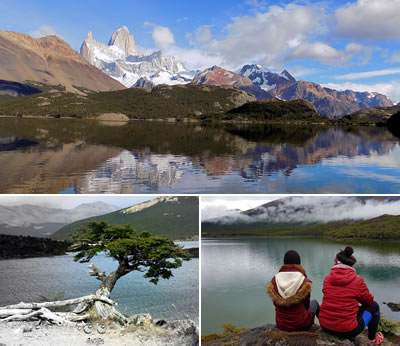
(219, 76)
(172, 217)
(121, 60)
(49, 60)
(41, 221)
(332, 103)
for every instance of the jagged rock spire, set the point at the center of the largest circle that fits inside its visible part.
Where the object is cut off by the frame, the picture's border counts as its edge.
(123, 40)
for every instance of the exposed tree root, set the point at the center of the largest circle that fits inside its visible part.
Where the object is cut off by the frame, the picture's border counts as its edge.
(32, 311)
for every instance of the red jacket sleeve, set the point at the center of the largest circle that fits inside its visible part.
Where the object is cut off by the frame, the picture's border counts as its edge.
(364, 295)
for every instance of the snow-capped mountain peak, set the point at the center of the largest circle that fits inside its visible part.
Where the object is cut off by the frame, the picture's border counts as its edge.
(120, 60)
(285, 74)
(265, 79)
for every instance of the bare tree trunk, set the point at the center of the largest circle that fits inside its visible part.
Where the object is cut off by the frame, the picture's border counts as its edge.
(104, 291)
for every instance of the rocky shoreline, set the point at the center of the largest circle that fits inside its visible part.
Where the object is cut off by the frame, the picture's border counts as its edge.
(141, 330)
(270, 335)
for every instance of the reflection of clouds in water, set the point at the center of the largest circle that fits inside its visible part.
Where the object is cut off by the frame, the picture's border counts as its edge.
(391, 159)
(371, 175)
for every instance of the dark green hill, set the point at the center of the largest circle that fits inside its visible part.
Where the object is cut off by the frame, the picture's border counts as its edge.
(136, 103)
(382, 227)
(276, 110)
(174, 217)
(372, 115)
(12, 246)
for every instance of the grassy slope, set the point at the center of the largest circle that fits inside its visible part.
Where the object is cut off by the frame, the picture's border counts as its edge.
(276, 109)
(162, 102)
(152, 219)
(382, 227)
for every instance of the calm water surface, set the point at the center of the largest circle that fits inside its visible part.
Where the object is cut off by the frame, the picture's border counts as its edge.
(236, 271)
(48, 278)
(78, 156)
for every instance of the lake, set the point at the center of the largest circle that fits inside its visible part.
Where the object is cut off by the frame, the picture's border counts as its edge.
(49, 278)
(234, 273)
(82, 156)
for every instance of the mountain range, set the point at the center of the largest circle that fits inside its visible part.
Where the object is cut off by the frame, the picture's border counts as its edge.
(174, 217)
(49, 64)
(134, 70)
(41, 221)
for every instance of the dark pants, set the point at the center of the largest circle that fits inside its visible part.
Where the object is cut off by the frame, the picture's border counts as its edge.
(314, 307)
(367, 316)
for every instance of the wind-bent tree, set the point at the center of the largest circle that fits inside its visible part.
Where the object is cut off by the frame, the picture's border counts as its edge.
(134, 251)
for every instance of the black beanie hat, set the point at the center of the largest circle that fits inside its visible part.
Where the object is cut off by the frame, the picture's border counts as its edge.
(291, 257)
(346, 256)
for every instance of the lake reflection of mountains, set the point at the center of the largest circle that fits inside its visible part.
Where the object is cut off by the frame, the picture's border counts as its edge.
(89, 157)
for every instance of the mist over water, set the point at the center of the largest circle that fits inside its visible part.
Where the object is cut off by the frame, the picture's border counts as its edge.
(236, 271)
(321, 209)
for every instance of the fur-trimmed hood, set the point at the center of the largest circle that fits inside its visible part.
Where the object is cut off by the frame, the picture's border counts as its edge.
(294, 286)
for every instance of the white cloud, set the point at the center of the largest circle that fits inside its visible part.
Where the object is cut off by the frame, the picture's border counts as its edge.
(163, 37)
(201, 35)
(301, 71)
(212, 207)
(266, 37)
(395, 57)
(369, 74)
(321, 52)
(369, 19)
(43, 30)
(329, 55)
(195, 58)
(390, 89)
(257, 4)
(356, 49)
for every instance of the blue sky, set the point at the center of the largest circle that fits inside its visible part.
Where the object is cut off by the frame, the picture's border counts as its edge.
(354, 44)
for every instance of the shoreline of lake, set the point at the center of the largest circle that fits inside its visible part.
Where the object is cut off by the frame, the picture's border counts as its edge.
(208, 120)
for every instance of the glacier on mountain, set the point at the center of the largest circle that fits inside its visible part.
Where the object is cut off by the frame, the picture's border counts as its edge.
(120, 60)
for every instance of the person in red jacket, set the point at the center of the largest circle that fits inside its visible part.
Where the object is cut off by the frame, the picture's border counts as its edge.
(343, 291)
(290, 292)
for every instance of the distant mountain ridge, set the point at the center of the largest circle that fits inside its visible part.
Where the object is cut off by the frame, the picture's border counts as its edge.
(41, 221)
(329, 102)
(174, 217)
(49, 60)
